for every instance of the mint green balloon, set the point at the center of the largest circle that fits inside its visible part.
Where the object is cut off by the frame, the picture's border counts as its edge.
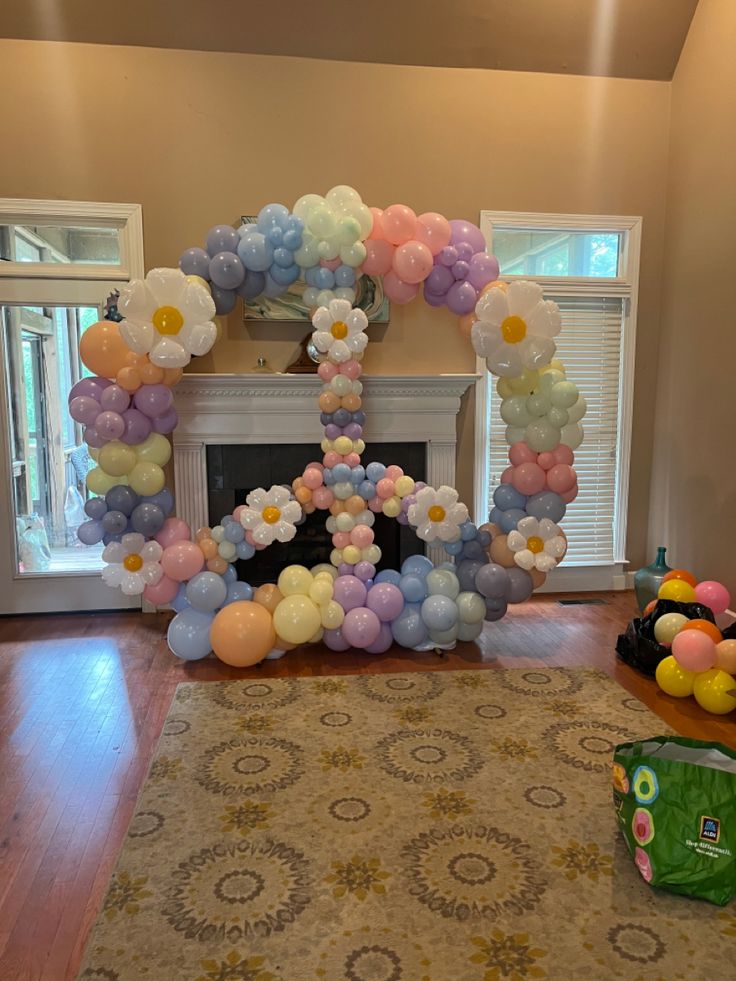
(564, 394)
(538, 404)
(471, 607)
(577, 411)
(514, 411)
(469, 631)
(442, 582)
(542, 436)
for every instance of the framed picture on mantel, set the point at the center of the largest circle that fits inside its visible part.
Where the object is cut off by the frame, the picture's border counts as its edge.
(290, 307)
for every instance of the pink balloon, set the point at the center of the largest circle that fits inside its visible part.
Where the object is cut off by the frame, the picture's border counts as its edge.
(714, 595)
(341, 539)
(322, 497)
(385, 488)
(352, 459)
(378, 256)
(182, 560)
(393, 472)
(376, 504)
(377, 229)
(362, 536)
(162, 593)
(545, 460)
(331, 459)
(433, 230)
(331, 264)
(694, 650)
(521, 453)
(563, 454)
(351, 369)
(413, 262)
(312, 478)
(238, 511)
(327, 371)
(561, 478)
(399, 224)
(397, 290)
(507, 475)
(361, 627)
(174, 530)
(569, 496)
(528, 478)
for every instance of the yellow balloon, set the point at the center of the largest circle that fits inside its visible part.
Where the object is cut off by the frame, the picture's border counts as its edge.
(321, 590)
(117, 458)
(677, 590)
(100, 482)
(351, 554)
(324, 569)
(147, 478)
(296, 619)
(317, 637)
(200, 282)
(332, 615)
(155, 449)
(94, 452)
(391, 507)
(294, 580)
(713, 689)
(404, 485)
(343, 445)
(673, 679)
(371, 554)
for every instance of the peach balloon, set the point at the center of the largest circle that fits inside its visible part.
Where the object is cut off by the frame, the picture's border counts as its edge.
(337, 507)
(151, 374)
(218, 565)
(209, 548)
(362, 536)
(538, 578)
(726, 656)
(501, 553)
(355, 505)
(328, 402)
(465, 324)
(268, 595)
(303, 494)
(351, 402)
(242, 633)
(182, 560)
(203, 532)
(312, 478)
(103, 350)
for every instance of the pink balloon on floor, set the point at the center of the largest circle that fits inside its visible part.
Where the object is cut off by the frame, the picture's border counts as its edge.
(693, 650)
(714, 595)
(162, 593)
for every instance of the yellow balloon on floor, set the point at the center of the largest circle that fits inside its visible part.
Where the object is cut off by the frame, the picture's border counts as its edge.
(712, 690)
(673, 679)
(242, 633)
(295, 580)
(296, 619)
(677, 590)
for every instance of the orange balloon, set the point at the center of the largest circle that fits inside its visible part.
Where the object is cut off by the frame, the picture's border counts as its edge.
(649, 607)
(172, 376)
(352, 402)
(217, 564)
(151, 374)
(705, 627)
(283, 645)
(726, 656)
(129, 378)
(268, 596)
(337, 507)
(209, 549)
(497, 284)
(303, 494)
(328, 402)
(103, 350)
(355, 505)
(683, 575)
(242, 633)
(501, 553)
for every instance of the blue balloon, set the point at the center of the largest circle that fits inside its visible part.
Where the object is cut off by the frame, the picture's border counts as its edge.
(234, 532)
(273, 215)
(189, 635)
(473, 550)
(147, 519)
(324, 278)
(453, 548)
(359, 417)
(357, 475)
(255, 251)
(221, 238)
(466, 573)
(345, 276)
(413, 588)
(96, 508)
(375, 471)
(341, 472)
(282, 257)
(367, 490)
(180, 601)
(224, 300)
(115, 522)
(195, 262)
(284, 276)
(439, 612)
(164, 499)
(510, 519)
(408, 628)
(122, 498)
(206, 591)
(292, 238)
(328, 477)
(495, 609)
(90, 532)
(275, 236)
(272, 288)
(252, 286)
(230, 575)
(226, 270)
(547, 505)
(418, 564)
(484, 539)
(244, 550)
(326, 418)
(237, 591)
(468, 531)
(507, 497)
(389, 575)
(341, 417)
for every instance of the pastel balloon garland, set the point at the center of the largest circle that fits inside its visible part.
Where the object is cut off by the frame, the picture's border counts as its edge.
(127, 410)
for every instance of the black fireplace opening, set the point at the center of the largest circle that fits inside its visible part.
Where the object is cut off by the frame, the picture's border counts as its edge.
(234, 471)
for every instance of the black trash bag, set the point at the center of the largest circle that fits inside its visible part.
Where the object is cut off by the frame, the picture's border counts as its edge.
(638, 646)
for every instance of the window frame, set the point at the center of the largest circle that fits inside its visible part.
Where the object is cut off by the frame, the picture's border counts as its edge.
(624, 286)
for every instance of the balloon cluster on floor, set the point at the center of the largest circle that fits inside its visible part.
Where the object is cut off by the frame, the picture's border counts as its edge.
(126, 410)
(702, 662)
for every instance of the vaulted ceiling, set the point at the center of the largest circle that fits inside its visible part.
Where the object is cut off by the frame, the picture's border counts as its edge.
(623, 38)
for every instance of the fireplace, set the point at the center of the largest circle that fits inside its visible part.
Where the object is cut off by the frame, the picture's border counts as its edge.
(410, 420)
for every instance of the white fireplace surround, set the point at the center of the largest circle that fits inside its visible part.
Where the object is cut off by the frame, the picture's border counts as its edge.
(253, 409)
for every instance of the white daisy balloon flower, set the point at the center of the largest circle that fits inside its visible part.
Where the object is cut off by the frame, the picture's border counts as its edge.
(537, 544)
(436, 514)
(514, 329)
(270, 515)
(132, 564)
(339, 331)
(167, 316)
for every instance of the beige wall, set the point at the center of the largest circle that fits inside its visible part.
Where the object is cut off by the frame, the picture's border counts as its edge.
(199, 138)
(693, 500)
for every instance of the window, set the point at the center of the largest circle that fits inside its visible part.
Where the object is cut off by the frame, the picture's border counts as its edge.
(589, 267)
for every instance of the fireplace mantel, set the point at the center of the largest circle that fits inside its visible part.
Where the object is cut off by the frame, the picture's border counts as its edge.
(282, 408)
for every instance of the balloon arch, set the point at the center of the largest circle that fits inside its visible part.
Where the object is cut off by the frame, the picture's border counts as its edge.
(126, 409)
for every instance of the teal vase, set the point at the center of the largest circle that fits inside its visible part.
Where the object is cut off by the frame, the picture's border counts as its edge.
(647, 581)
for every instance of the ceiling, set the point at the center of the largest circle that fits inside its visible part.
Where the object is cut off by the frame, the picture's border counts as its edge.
(621, 38)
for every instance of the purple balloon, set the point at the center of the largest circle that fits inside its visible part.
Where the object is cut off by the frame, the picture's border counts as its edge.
(386, 601)
(110, 425)
(92, 438)
(465, 251)
(137, 427)
(447, 256)
(382, 643)
(466, 231)
(402, 519)
(439, 281)
(224, 300)
(495, 609)
(153, 400)
(365, 571)
(90, 387)
(114, 399)
(335, 640)
(361, 627)
(349, 592)
(460, 269)
(433, 300)
(353, 430)
(84, 409)
(483, 269)
(166, 422)
(332, 431)
(461, 298)
(222, 238)
(253, 285)
(520, 586)
(492, 581)
(90, 532)
(195, 262)
(344, 569)
(96, 508)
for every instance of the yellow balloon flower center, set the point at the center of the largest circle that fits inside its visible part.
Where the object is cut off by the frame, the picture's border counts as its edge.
(167, 320)
(271, 515)
(436, 513)
(535, 544)
(513, 330)
(133, 563)
(339, 330)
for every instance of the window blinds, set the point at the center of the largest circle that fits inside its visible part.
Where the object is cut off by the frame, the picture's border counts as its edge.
(589, 344)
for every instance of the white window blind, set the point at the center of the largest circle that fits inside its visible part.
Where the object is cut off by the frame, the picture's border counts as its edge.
(589, 344)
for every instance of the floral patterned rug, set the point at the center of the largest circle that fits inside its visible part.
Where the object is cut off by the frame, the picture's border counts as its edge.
(423, 827)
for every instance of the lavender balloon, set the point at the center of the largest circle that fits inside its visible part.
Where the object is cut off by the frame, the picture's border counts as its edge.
(110, 425)
(114, 399)
(84, 409)
(335, 640)
(90, 387)
(137, 427)
(153, 400)
(195, 262)
(90, 532)
(92, 438)
(166, 422)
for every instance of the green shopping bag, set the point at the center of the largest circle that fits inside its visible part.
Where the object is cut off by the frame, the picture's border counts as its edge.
(676, 805)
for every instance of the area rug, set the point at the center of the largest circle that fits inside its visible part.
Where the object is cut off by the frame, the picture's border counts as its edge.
(434, 826)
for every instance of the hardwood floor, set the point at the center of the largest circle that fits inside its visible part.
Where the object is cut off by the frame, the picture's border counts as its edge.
(82, 702)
